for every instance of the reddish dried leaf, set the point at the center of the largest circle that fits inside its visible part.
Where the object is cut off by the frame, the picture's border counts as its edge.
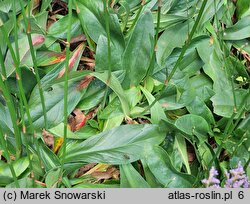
(76, 120)
(85, 82)
(72, 60)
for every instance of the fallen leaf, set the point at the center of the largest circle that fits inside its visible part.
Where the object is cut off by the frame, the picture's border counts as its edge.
(84, 169)
(76, 120)
(111, 172)
(48, 139)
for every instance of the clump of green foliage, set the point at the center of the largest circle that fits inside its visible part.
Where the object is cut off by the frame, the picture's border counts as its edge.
(156, 90)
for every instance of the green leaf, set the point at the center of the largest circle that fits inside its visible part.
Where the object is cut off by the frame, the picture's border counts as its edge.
(115, 85)
(59, 132)
(113, 122)
(239, 31)
(46, 58)
(172, 37)
(19, 166)
(138, 52)
(120, 145)
(161, 166)
(53, 177)
(130, 178)
(243, 8)
(91, 14)
(149, 176)
(180, 143)
(193, 125)
(60, 27)
(24, 53)
(101, 63)
(157, 112)
(54, 99)
(93, 96)
(25, 182)
(198, 107)
(50, 160)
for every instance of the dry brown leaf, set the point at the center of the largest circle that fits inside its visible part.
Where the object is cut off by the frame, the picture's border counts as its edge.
(48, 139)
(111, 172)
(76, 120)
(72, 59)
(84, 169)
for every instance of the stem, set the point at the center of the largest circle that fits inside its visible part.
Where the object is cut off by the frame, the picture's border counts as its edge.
(152, 61)
(105, 4)
(32, 52)
(136, 19)
(65, 108)
(7, 155)
(26, 143)
(11, 107)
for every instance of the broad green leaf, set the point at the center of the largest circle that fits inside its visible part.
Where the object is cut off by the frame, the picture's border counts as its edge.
(59, 132)
(115, 85)
(54, 99)
(193, 125)
(38, 23)
(221, 73)
(59, 28)
(5, 119)
(120, 145)
(239, 31)
(24, 53)
(180, 143)
(130, 178)
(172, 37)
(157, 112)
(169, 99)
(7, 128)
(25, 182)
(19, 166)
(91, 14)
(203, 87)
(161, 166)
(205, 154)
(223, 100)
(46, 58)
(96, 91)
(211, 8)
(137, 55)
(53, 177)
(149, 176)
(7, 5)
(49, 159)
(198, 107)
(243, 126)
(8, 25)
(243, 8)
(113, 109)
(113, 122)
(101, 63)
(93, 96)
